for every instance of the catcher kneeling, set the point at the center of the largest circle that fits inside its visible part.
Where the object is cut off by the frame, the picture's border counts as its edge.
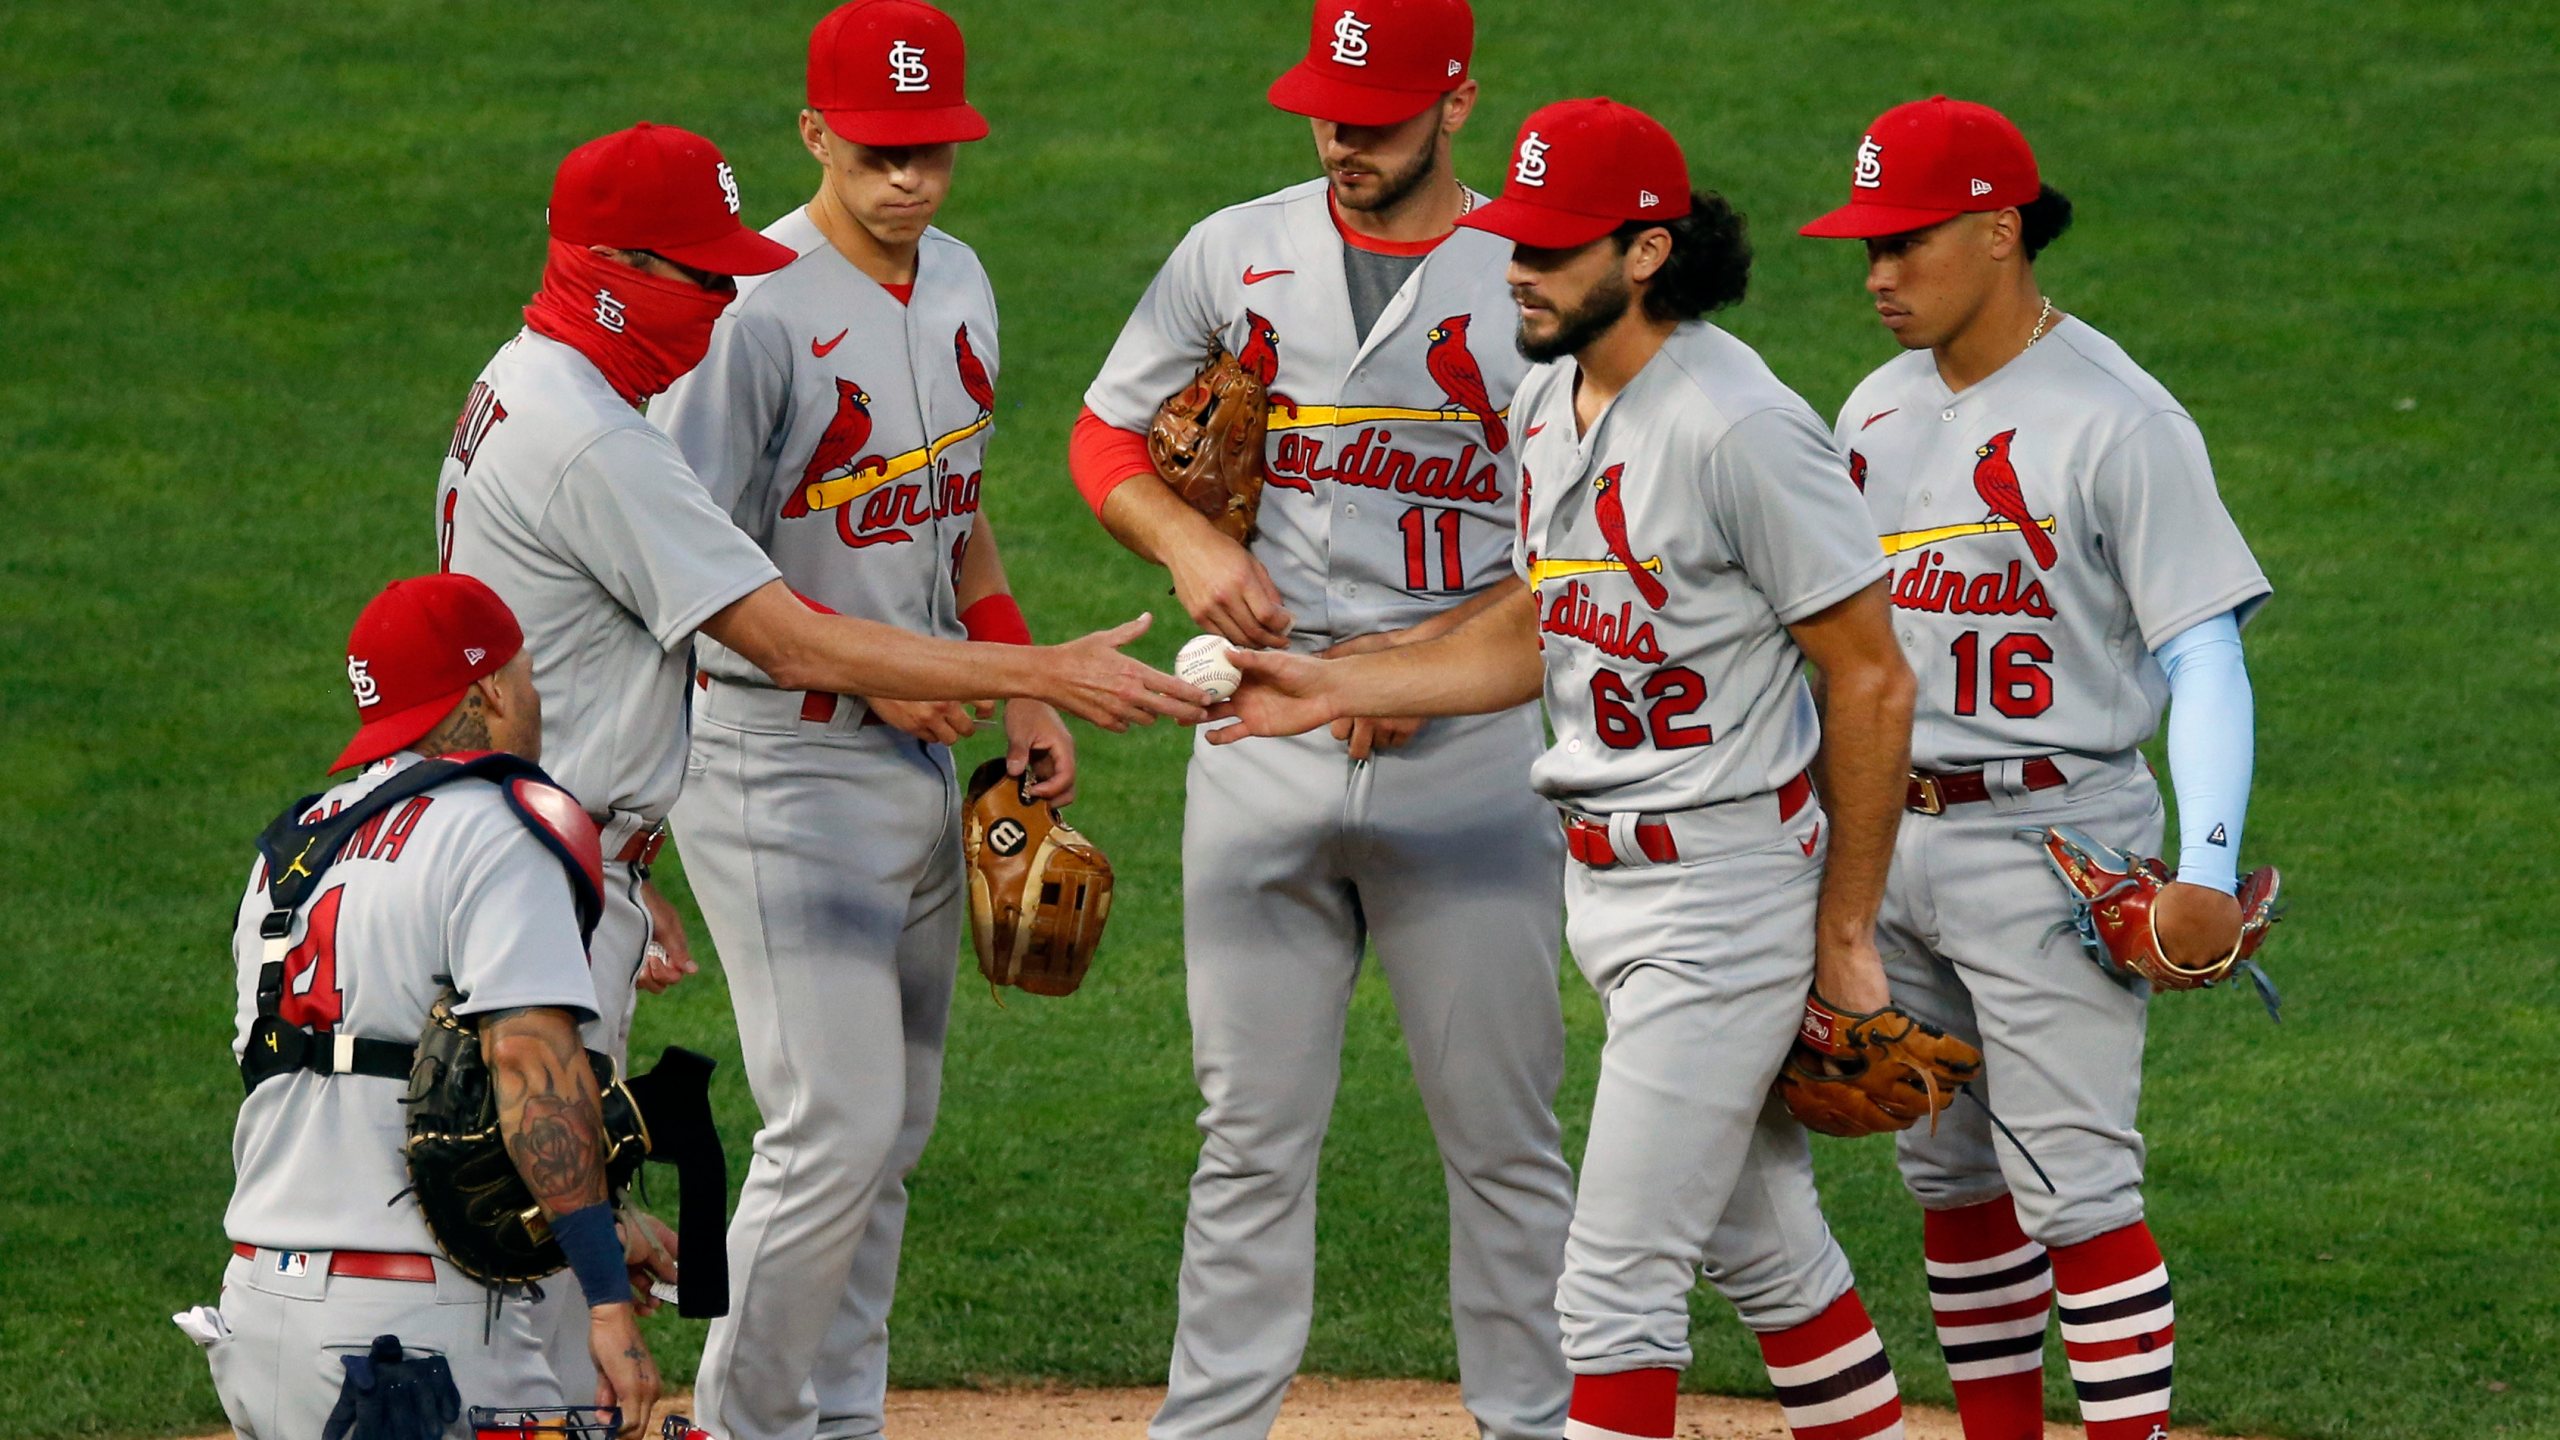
(423, 1138)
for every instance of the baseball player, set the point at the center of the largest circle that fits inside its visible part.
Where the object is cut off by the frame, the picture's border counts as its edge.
(2062, 564)
(1392, 464)
(842, 418)
(453, 881)
(587, 520)
(1688, 544)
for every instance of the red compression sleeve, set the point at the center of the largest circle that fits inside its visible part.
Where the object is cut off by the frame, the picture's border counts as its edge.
(1100, 455)
(997, 620)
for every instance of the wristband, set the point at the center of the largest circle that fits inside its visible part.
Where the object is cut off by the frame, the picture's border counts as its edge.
(587, 1237)
(996, 620)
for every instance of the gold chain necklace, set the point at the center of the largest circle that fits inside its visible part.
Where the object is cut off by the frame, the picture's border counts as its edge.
(2043, 317)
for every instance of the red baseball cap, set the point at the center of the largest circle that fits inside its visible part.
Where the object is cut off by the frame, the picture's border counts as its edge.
(1581, 169)
(1930, 161)
(415, 651)
(892, 72)
(660, 189)
(1378, 62)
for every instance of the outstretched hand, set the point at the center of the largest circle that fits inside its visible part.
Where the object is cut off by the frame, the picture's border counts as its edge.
(1089, 677)
(1281, 693)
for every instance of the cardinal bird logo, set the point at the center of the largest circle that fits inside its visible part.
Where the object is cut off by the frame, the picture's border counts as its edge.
(846, 434)
(1453, 367)
(1858, 471)
(1997, 483)
(1609, 507)
(1261, 353)
(973, 373)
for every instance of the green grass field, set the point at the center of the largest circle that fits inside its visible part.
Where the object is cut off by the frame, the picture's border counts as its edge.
(251, 255)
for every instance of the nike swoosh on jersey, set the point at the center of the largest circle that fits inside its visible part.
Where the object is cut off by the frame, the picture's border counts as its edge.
(1532, 432)
(1256, 277)
(1878, 416)
(822, 351)
(1811, 840)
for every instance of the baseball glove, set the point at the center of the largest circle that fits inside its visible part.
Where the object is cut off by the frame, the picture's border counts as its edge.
(1039, 891)
(1207, 444)
(1853, 1075)
(2112, 894)
(477, 1206)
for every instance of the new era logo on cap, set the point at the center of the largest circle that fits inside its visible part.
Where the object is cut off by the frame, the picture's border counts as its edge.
(473, 654)
(1981, 187)
(1646, 199)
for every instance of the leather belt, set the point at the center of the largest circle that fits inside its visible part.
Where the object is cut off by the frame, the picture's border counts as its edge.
(817, 707)
(1931, 792)
(1588, 840)
(641, 850)
(367, 1264)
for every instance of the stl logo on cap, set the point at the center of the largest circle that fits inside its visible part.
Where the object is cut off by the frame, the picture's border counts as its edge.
(729, 186)
(1870, 171)
(1532, 169)
(360, 679)
(908, 74)
(1351, 40)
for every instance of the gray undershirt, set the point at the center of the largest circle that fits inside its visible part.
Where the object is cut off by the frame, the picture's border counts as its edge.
(1374, 280)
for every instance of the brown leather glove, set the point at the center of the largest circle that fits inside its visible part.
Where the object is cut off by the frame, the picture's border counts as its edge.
(1039, 892)
(1207, 444)
(2111, 901)
(1853, 1075)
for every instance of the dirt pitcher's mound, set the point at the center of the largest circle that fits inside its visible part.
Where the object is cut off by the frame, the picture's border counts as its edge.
(1317, 1409)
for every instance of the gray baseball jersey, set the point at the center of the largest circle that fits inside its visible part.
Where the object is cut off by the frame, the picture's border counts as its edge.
(587, 522)
(1390, 458)
(1669, 547)
(2049, 529)
(846, 432)
(449, 883)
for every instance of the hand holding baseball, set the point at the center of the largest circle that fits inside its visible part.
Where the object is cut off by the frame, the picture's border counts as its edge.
(1280, 693)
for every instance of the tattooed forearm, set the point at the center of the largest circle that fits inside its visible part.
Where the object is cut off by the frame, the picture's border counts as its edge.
(548, 1111)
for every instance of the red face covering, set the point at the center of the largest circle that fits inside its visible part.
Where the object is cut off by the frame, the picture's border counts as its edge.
(640, 330)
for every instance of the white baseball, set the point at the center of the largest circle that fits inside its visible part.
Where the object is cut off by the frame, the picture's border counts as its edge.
(1203, 662)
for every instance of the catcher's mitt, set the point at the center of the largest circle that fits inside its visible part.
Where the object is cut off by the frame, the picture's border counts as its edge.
(2112, 894)
(1853, 1075)
(477, 1206)
(1207, 443)
(1039, 891)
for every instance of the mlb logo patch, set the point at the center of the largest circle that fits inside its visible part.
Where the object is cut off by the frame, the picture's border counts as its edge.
(293, 1262)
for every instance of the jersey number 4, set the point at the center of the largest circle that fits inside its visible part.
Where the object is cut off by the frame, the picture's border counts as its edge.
(2020, 688)
(312, 999)
(1669, 697)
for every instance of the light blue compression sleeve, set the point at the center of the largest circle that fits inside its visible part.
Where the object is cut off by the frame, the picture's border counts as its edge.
(2212, 748)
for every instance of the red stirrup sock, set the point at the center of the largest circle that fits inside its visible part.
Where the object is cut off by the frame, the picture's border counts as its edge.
(1991, 1289)
(2117, 1328)
(1833, 1378)
(1630, 1405)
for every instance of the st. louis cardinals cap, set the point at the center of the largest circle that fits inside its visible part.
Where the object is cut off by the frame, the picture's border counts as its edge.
(1927, 162)
(1378, 62)
(664, 190)
(1581, 169)
(892, 72)
(414, 652)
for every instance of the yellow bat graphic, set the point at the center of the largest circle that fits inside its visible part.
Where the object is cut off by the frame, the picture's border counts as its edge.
(1307, 417)
(845, 489)
(1543, 571)
(1901, 540)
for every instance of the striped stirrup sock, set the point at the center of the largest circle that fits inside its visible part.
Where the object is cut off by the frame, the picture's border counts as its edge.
(1991, 1289)
(1630, 1405)
(2118, 1329)
(1833, 1378)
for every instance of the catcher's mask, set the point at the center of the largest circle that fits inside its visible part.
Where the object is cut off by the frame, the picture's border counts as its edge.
(543, 1422)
